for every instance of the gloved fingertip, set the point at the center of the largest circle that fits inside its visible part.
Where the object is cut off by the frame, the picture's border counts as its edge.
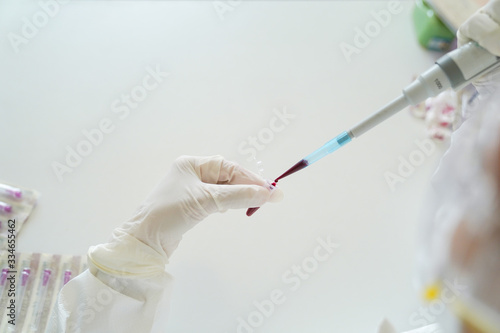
(276, 195)
(462, 39)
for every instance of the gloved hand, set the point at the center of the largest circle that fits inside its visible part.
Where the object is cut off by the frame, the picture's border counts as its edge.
(484, 28)
(194, 188)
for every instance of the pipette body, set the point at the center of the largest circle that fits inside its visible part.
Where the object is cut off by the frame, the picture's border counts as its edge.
(454, 70)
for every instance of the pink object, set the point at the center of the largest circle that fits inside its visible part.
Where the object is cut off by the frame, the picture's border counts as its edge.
(3, 278)
(448, 109)
(46, 276)
(67, 276)
(5, 207)
(12, 191)
(25, 276)
(441, 114)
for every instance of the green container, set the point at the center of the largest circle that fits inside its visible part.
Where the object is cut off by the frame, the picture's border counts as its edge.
(431, 32)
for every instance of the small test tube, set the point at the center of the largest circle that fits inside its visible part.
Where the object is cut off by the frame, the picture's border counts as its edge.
(22, 289)
(11, 191)
(67, 276)
(41, 298)
(3, 278)
(5, 207)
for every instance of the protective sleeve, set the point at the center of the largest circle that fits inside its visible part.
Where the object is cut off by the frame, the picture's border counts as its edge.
(106, 298)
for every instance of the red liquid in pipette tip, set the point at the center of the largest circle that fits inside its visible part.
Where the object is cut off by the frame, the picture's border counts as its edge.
(297, 167)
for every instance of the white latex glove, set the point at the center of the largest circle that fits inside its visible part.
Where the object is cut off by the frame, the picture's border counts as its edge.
(126, 286)
(484, 28)
(194, 188)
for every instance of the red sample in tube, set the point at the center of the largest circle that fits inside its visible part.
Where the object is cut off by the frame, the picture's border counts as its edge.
(250, 211)
(297, 167)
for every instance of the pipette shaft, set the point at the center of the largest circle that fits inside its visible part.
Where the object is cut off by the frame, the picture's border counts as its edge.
(454, 70)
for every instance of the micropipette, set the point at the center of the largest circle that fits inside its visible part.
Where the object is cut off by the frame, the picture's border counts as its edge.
(454, 70)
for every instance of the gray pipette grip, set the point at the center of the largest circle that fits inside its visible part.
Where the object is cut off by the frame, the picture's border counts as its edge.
(430, 83)
(454, 70)
(467, 63)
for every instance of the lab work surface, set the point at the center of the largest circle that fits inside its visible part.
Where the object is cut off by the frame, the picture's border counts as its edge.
(97, 100)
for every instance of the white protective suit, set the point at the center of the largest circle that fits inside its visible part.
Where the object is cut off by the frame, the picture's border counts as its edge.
(126, 279)
(464, 198)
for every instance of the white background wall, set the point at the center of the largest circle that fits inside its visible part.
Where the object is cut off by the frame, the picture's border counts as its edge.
(227, 73)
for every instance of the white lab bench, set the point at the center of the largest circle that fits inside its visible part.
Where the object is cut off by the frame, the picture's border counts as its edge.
(257, 77)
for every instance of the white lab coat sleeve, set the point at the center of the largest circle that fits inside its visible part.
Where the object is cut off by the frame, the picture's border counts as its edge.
(96, 301)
